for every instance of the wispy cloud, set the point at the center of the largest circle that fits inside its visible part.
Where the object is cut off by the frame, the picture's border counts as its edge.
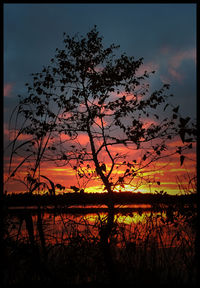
(174, 60)
(181, 56)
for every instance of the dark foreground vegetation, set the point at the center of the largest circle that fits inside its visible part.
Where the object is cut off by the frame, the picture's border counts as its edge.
(84, 250)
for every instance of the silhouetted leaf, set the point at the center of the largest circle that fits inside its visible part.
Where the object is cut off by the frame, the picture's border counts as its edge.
(182, 157)
(121, 179)
(179, 151)
(103, 167)
(144, 157)
(176, 109)
(184, 121)
(182, 135)
(74, 188)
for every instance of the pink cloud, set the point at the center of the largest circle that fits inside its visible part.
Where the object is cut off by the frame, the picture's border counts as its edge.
(175, 74)
(7, 89)
(11, 134)
(165, 79)
(179, 57)
(175, 60)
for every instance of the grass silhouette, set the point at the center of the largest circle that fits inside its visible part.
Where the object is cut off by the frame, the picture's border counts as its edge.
(67, 249)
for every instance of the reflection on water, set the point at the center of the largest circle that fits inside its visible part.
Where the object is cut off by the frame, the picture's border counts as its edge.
(135, 224)
(141, 246)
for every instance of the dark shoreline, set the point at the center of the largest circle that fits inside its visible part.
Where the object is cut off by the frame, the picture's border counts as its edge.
(69, 199)
(75, 210)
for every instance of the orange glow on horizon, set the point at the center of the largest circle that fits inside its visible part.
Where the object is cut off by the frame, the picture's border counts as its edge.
(164, 179)
(163, 171)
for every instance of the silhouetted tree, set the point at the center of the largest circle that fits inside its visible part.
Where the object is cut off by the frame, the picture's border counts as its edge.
(88, 90)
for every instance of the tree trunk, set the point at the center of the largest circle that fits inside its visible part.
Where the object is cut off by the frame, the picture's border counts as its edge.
(105, 233)
(106, 229)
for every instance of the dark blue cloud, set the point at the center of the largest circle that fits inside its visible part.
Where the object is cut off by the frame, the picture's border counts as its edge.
(33, 31)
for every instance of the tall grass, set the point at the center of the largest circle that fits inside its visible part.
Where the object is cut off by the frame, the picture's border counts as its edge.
(148, 248)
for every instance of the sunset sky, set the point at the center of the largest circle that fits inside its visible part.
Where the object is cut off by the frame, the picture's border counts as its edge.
(163, 34)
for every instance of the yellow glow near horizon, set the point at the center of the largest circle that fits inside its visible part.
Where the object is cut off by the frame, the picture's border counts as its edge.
(166, 171)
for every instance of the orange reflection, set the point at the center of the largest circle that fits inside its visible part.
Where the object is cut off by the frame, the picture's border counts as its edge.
(133, 227)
